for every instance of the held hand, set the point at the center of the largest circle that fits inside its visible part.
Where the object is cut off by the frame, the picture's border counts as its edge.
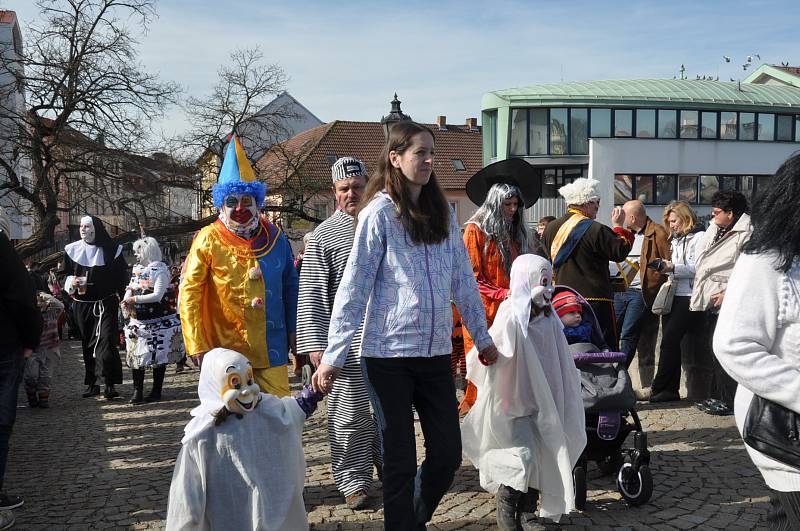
(315, 357)
(617, 217)
(323, 378)
(488, 356)
(716, 299)
(667, 267)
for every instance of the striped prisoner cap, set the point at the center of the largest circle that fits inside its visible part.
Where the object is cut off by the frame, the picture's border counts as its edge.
(347, 167)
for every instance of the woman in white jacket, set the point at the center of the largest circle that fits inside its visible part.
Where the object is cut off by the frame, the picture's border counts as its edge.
(681, 220)
(757, 340)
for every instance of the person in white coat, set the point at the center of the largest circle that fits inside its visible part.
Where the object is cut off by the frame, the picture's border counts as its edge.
(757, 339)
(526, 430)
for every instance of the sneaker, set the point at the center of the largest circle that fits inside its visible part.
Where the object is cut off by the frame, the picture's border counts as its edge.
(6, 519)
(8, 502)
(358, 500)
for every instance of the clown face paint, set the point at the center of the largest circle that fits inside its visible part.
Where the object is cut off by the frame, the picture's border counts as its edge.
(86, 230)
(240, 214)
(239, 392)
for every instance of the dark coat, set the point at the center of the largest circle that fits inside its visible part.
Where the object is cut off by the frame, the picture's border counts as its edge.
(586, 269)
(20, 319)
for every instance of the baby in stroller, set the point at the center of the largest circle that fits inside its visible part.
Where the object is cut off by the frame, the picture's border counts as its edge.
(608, 400)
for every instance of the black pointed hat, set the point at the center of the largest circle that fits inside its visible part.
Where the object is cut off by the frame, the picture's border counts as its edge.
(510, 171)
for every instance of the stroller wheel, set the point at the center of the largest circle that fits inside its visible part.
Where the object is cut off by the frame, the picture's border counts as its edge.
(610, 464)
(636, 486)
(579, 479)
(306, 374)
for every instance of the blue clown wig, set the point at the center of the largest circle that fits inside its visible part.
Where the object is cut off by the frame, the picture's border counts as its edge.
(237, 176)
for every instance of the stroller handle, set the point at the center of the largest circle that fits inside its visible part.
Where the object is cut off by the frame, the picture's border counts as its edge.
(582, 358)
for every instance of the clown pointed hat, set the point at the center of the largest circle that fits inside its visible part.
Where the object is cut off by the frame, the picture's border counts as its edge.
(237, 176)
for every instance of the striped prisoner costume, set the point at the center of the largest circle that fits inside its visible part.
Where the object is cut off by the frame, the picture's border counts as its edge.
(352, 433)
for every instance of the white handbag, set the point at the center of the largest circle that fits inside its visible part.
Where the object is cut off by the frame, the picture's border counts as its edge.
(662, 305)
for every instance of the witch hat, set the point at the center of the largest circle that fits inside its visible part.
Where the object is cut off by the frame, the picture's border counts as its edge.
(510, 171)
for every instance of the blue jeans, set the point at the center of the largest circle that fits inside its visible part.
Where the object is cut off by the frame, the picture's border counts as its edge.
(11, 367)
(629, 307)
(411, 495)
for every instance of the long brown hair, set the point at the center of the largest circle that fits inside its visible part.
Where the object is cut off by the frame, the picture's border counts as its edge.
(427, 221)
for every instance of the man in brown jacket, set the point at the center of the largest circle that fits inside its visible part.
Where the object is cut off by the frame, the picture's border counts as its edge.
(637, 324)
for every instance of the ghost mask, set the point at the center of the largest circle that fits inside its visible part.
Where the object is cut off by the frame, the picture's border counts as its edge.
(531, 283)
(238, 390)
(239, 213)
(86, 230)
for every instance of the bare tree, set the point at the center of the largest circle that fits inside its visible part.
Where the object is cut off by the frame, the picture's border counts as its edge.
(88, 102)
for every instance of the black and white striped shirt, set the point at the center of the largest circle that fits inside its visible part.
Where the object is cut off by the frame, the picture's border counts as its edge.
(324, 260)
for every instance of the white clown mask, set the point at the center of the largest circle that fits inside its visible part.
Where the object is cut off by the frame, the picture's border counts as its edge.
(531, 283)
(86, 230)
(239, 213)
(226, 378)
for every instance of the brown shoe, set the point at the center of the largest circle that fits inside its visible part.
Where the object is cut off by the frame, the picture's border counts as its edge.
(358, 500)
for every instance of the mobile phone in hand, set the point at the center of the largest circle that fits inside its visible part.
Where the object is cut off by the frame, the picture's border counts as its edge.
(657, 264)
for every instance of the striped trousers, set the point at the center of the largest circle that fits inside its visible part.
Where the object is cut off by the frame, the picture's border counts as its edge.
(352, 431)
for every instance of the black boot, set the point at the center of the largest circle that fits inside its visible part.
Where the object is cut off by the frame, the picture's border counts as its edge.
(110, 393)
(158, 383)
(138, 386)
(506, 503)
(526, 511)
(91, 390)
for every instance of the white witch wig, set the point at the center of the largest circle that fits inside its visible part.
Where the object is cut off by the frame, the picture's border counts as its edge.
(489, 218)
(580, 191)
(151, 252)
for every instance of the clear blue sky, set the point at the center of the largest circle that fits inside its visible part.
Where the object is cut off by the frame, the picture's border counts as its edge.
(345, 59)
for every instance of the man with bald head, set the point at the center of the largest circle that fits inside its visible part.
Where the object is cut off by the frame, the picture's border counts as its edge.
(632, 306)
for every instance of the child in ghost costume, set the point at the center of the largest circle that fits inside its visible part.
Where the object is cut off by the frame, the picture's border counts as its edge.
(241, 465)
(526, 431)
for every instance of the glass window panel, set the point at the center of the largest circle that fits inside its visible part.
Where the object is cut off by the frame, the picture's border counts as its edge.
(747, 126)
(538, 131)
(709, 185)
(784, 129)
(766, 127)
(708, 123)
(623, 122)
(666, 124)
(688, 124)
(558, 131)
(797, 128)
(490, 133)
(623, 189)
(665, 189)
(645, 191)
(519, 133)
(549, 183)
(646, 123)
(727, 125)
(727, 182)
(578, 133)
(762, 183)
(747, 186)
(601, 123)
(687, 188)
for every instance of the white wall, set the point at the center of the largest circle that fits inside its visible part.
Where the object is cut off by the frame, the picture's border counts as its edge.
(609, 156)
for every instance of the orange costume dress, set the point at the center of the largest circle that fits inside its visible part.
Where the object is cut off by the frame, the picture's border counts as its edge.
(493, 284)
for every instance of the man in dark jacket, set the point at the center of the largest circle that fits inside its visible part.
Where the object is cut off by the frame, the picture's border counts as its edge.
(20, 329)
(580, 249)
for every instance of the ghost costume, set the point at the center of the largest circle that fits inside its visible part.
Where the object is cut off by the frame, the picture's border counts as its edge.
(248, 472)
(526, 430)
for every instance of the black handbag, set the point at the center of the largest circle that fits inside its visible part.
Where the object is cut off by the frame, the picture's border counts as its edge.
(773, 430)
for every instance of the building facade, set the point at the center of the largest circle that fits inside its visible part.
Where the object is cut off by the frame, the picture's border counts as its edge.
(653, 140)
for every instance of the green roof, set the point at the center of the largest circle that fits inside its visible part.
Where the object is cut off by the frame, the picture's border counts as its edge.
(661, 93)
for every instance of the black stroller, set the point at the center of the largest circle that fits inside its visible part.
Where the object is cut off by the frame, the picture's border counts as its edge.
(609, 401)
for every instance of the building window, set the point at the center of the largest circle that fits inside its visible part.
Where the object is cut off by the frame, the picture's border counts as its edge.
(600, 123)
(665, 189)
(643, 188)
(558, 131)
(578, 131)
(667, 120)
(688, 124)
(708, 125)
(490, 133)
(687, 188)
(538, 131)
(623, 189)
(458, 165)
(766, 127)
(783, 129)
(727, 125)
(331, 158)
(623, 122)
(646, 123)
(519, 136)
(747, 126)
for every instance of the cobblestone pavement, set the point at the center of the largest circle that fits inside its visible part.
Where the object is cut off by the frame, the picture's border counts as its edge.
(93, 464)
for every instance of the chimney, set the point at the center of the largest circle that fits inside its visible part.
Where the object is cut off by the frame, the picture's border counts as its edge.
(472, 125)
(441, 121)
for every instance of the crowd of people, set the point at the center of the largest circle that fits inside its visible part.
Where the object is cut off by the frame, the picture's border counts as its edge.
(369, 306)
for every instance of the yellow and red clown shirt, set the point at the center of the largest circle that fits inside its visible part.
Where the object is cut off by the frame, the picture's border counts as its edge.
(241, 294)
